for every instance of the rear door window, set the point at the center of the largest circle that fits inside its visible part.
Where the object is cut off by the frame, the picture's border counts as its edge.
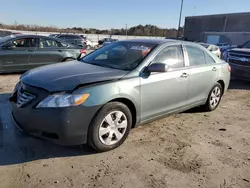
(196, 56)
(171, 56)
(48, 43)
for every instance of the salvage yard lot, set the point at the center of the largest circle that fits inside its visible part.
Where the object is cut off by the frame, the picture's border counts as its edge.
(191, 149)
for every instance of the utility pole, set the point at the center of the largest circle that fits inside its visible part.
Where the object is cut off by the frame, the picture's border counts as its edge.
(127, 31)
(178, 32)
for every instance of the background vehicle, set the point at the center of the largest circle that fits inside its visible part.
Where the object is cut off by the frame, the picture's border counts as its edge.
(24, 52)
(109, 42)
(239, 60)
(72, 39)
(53, 35)
(91, 44)
(114, 88)
(212, 48)
(106, 41)
(85, 38)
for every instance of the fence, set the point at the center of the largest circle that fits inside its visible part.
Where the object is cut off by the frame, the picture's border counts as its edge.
(93, 37)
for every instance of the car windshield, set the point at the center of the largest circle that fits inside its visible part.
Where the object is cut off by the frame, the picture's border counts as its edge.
(120, 55)
(246, 45)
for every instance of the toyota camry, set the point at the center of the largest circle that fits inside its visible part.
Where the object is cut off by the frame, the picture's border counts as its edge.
(98, 99)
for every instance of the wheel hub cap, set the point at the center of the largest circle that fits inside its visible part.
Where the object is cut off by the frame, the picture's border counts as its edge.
(113, 128)
(215, 97)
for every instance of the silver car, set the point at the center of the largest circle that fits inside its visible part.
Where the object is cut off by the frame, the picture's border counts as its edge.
(98, 99)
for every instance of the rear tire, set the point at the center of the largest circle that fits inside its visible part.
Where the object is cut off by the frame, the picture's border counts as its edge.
(214, 98)
(68, 59)
(110, 127)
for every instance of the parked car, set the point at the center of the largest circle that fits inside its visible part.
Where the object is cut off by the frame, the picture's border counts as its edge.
(98, 99)
(106, 41)
(91, 44)
(239, 60)
(53, 35)
(72, 39)
(24, 52)
(109, 42)
(212, 48)
(84, 37)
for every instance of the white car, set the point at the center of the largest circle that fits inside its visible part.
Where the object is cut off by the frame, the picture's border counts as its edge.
(91, 44)
(212, 48)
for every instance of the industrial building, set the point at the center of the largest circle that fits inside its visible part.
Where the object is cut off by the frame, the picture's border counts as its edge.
(233, 29)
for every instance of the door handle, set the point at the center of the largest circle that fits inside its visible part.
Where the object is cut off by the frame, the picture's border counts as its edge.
(214, 69)
(31, 50)
(59, 50)
(184, 75)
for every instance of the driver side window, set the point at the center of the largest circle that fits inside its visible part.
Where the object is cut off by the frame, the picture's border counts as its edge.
(171, 56)
(22, 43)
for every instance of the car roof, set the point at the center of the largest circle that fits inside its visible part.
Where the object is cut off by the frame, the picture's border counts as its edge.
(35, 36)
(29, 35)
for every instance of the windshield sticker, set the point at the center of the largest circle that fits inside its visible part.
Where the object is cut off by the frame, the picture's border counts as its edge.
(140, 48)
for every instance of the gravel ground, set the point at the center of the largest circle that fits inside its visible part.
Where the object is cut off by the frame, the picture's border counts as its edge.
(191, 149)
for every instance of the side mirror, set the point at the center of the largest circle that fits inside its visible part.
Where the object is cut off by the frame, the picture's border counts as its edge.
(158, 67)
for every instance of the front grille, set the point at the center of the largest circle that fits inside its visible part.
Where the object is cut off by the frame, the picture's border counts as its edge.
(239, 58)
(23, 97)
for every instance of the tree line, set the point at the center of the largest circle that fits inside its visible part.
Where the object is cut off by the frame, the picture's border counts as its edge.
(139, 30)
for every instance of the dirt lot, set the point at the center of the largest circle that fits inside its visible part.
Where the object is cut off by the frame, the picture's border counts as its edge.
(191, 149)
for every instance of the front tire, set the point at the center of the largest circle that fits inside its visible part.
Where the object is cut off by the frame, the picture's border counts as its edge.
(214, 98)
(110, 127)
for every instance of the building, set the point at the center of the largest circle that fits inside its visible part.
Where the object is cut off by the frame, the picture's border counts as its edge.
(233, 29)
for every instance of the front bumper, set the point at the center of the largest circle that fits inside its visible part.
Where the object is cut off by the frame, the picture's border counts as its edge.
(240, 71)
(65, 126)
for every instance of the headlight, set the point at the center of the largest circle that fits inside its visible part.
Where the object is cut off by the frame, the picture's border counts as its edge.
(63, 100)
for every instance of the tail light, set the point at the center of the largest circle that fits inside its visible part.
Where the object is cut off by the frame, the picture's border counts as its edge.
(82, 51)
(229, 68)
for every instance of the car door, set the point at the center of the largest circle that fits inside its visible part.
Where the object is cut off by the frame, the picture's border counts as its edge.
(202, 72)
(16, 53)
(166, 92)
(49, 51)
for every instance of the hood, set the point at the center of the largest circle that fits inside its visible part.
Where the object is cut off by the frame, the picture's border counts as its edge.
(244, 50)
(67, 76)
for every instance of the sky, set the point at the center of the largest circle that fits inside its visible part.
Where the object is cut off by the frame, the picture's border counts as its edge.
(106, 14)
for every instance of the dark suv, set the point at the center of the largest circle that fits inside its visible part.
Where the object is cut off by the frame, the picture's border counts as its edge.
(72, 39)
(239, 59)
